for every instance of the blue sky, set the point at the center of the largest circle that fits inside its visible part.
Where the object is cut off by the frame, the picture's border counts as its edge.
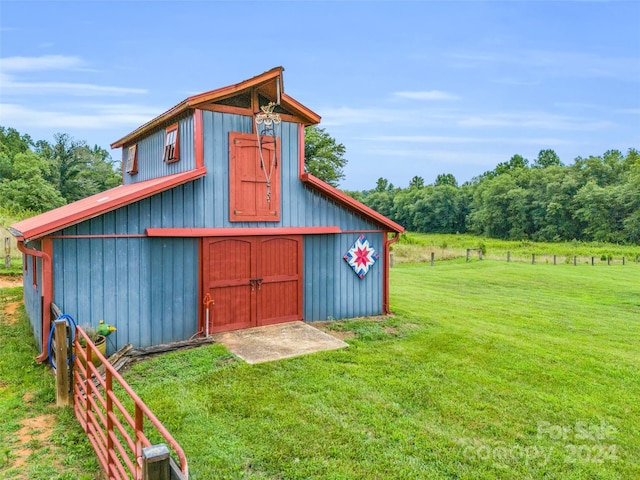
(410, 88)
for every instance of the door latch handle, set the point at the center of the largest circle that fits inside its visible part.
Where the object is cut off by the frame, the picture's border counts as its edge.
(254, 282)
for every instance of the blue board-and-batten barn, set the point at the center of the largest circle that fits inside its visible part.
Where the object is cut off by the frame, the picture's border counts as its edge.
(192, 223)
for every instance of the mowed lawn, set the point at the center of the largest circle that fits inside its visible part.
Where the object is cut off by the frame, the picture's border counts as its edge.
(487, 370)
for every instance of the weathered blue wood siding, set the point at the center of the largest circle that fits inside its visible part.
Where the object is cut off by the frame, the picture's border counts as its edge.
(151, 149)
(33, 296)
(331, 289)
(146, 287)
(300, 206)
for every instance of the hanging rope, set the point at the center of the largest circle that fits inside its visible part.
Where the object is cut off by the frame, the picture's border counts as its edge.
(268, 119)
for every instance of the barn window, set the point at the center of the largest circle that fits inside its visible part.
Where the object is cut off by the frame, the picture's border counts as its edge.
(132, 159)
(254, 179)
(171, 144)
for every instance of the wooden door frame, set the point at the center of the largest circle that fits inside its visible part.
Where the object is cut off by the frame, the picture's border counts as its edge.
(262, 234)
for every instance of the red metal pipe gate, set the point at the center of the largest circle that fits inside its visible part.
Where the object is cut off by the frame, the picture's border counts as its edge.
(117, 435)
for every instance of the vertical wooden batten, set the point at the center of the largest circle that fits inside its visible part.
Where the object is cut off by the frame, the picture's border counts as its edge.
(385, 273)
(47, 290)
(300, 150)
(198, 141)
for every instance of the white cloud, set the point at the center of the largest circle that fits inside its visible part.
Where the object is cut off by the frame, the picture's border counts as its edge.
(541, 120)
(12, 66)
(629, 111)
(455, 140)
(427, 95)
(10, 86)
(422, 156)
(348, 115)
(556, 63)
(577, 105)
(88, 117)
(45, 62)
(516, 81)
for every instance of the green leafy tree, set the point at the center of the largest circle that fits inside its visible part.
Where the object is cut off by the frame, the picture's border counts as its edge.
(11, 144)
(630, 199)
(547, 158)
(99, 171)
(516, 162)
(382, 185)
(28, 189)
(439, 209)
(382, 202)
(404, 205)
(446, 179)
(599, 208)
(416, 182)
(66, 160)
(75, 169)
(323, 156)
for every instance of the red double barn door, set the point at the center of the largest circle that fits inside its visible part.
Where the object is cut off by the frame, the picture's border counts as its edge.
(252, 281)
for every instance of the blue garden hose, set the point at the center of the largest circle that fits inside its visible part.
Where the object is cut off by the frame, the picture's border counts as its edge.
(70, 321)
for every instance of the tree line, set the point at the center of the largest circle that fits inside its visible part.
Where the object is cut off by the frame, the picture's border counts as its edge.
(593, 199)
(36, 176)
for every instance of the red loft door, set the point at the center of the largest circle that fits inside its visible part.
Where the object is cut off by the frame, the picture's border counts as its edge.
(252, 281)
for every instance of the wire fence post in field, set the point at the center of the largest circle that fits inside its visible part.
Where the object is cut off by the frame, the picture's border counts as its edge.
(508, 256)
(533, 259)
(593, 261)
(609, 260)
(391, 260)
(468, 250)
(554, 260)
(480, 254)
(7, 252)
(622, 260)
(575, 260)
(432, 258)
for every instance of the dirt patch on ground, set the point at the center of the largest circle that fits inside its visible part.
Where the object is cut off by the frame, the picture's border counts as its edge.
(10, 310)
(389, 330)
(339, 334)
(32, 436)
(10, 281)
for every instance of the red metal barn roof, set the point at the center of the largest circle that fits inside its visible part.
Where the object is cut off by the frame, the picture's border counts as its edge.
(59, 218)
(269, 84)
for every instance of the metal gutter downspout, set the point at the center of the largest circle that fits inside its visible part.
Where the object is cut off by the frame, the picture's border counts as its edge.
(385, 275)
(47, 293)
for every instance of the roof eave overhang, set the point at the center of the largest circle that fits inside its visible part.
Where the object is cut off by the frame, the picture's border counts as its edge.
(308, 116)
(41, 225)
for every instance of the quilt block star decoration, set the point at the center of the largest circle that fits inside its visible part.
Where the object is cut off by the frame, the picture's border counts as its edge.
(361, 256)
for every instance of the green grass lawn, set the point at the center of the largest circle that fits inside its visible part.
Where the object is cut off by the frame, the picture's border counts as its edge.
(38, 441)
(417, 247)
(488, 370)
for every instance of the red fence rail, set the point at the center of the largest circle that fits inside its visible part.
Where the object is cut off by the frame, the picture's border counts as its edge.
(115, 426)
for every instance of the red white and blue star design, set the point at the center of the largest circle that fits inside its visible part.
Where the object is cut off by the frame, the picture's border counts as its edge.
(361, 256)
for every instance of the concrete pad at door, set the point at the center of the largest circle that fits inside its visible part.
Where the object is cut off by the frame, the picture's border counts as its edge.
(274, 342)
